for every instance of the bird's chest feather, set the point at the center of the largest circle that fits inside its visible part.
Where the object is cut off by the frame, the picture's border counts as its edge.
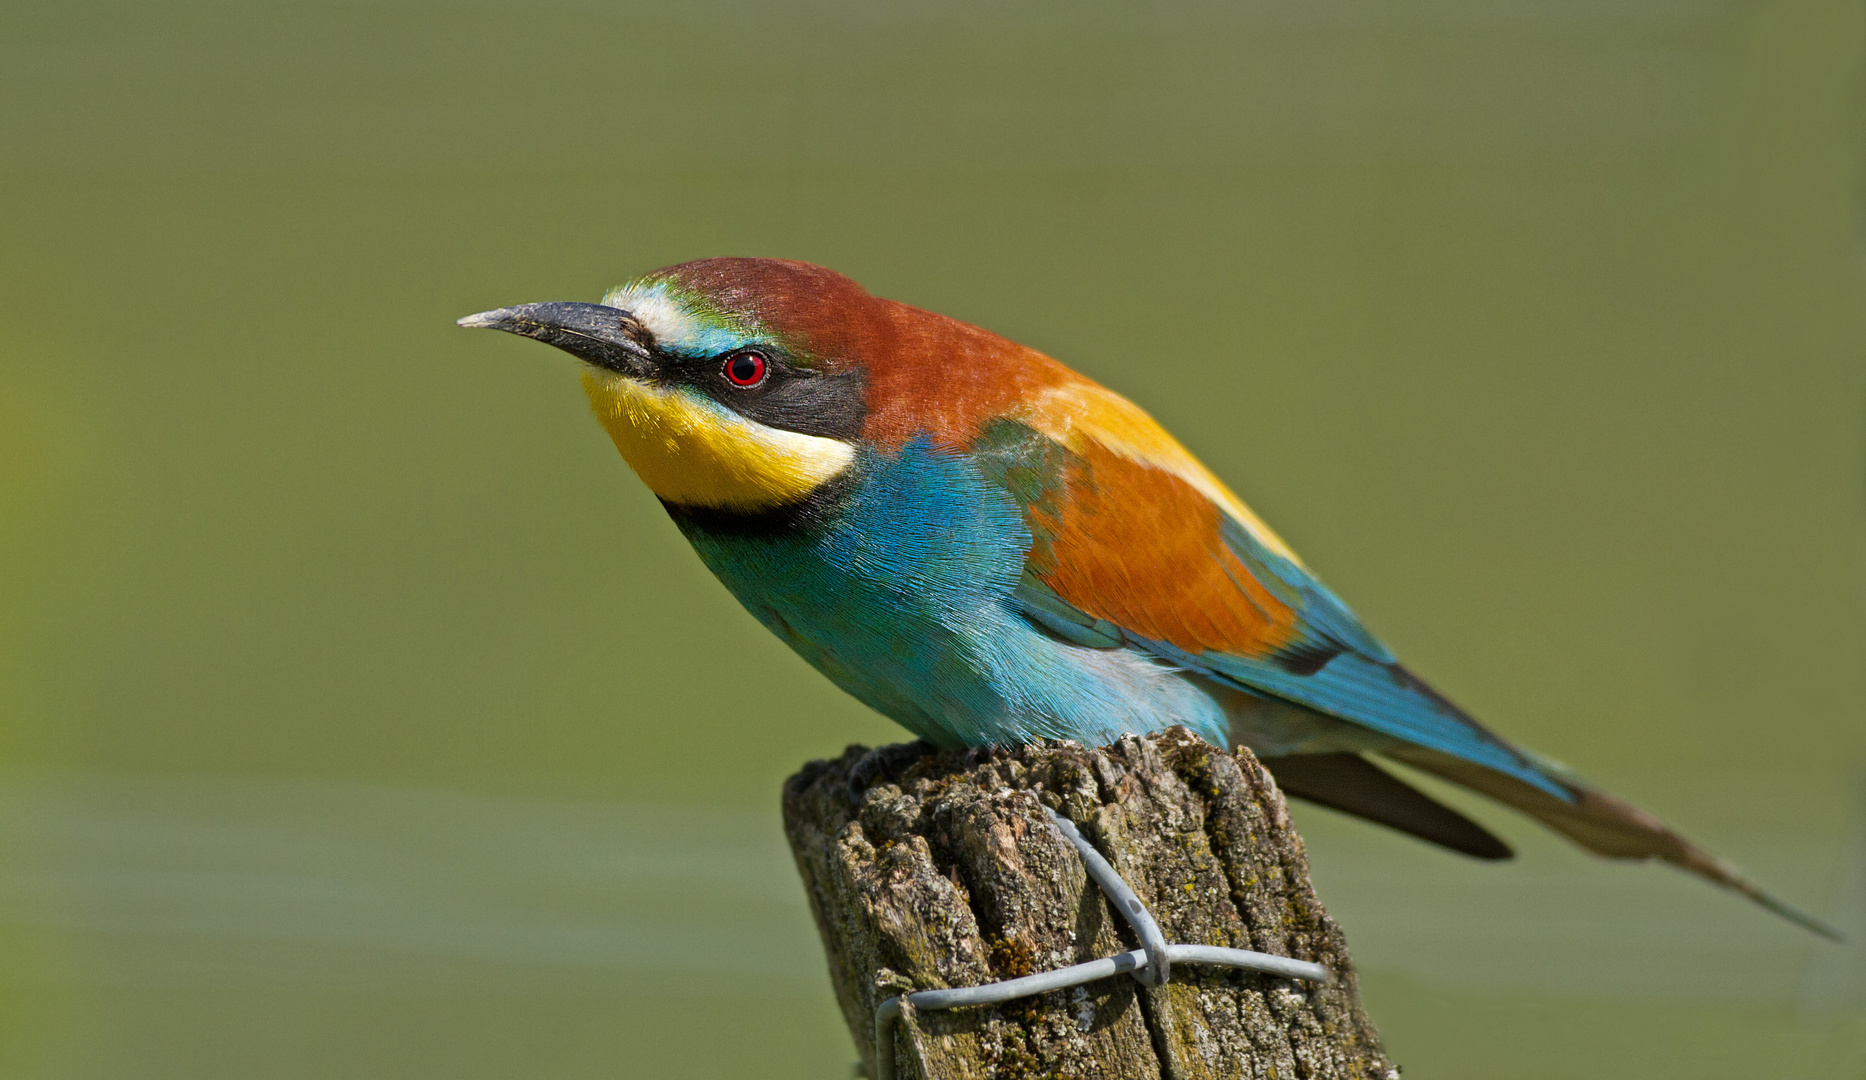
(903, 594)
(900, 592)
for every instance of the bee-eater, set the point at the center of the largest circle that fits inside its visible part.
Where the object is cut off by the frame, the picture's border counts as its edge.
(990, 548)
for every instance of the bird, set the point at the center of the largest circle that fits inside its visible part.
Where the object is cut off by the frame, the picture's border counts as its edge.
(990, 549)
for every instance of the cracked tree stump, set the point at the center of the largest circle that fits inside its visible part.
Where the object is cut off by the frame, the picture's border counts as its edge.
(945, 872)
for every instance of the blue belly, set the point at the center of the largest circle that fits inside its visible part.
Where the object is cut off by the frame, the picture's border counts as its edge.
(902, 595)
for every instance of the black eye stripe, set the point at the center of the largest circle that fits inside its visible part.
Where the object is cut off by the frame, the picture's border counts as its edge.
(807, 400)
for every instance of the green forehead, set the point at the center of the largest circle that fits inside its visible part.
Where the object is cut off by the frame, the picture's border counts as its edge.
(686, 321)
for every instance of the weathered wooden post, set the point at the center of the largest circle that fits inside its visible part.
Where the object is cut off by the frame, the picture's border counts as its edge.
(946, 872)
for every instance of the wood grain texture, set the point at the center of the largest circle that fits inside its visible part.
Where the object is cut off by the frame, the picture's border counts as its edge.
(946, 873)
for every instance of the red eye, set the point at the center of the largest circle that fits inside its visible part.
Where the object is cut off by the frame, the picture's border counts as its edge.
(745, 369)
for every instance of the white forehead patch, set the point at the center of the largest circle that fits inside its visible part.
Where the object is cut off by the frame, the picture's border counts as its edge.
(675, 326)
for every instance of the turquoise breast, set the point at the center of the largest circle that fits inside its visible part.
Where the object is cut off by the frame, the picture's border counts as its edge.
(900, 591)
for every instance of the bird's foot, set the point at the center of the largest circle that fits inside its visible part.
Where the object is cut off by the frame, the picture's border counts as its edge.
(879, 760)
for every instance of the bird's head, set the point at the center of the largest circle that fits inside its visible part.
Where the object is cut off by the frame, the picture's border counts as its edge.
(744, 385)
(727, 384)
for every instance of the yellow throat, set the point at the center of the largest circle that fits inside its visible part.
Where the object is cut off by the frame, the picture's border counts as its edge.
(693, 452)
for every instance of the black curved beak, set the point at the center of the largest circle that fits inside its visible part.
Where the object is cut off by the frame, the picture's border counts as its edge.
(604, 336)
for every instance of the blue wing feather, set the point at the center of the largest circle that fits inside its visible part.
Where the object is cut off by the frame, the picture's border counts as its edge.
(1361, 682)
(1361, 685)
(1389, 699)
(1325, 619)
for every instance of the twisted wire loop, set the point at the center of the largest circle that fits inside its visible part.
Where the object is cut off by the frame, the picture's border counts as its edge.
(1150, 965)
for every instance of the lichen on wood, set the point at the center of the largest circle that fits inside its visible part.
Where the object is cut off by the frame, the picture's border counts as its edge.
(943, 871)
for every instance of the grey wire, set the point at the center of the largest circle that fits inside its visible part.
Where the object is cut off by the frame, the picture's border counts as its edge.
(1155, 955)
(1159, 966)
(1268, 963)
(1062, 978)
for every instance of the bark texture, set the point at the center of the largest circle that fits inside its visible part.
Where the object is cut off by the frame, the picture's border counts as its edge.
(945, 872)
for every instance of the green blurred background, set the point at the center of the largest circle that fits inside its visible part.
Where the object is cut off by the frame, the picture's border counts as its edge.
(362, 716)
